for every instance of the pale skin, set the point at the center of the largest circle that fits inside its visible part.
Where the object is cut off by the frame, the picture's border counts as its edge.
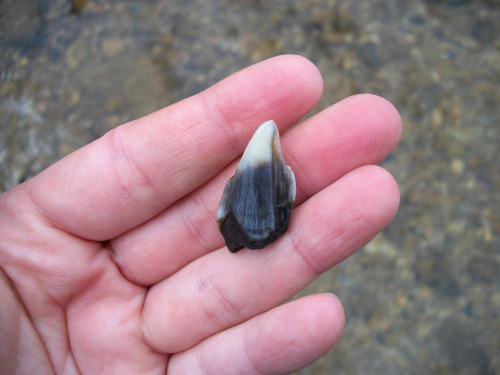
(112, 262)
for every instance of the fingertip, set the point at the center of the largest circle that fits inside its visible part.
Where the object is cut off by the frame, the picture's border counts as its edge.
(331, 312)
(283, 88)
(376, 121)
(385, 190)
(304, 68)
(299, 76)
(386, 114)
(374, 192)
(389, 116)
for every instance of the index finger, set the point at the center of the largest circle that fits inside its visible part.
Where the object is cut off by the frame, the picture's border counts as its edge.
(136, 170)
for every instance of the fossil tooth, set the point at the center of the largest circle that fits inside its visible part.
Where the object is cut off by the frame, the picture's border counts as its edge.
(257, 201)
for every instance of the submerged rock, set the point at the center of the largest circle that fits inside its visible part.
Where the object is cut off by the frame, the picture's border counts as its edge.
(257, 201)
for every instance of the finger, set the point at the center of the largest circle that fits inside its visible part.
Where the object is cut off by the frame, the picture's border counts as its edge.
(222, 289)
(282, 340)
(357, 131)
(136, 170)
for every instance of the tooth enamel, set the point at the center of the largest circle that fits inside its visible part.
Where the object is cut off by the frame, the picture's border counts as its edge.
(257, 201)
(258, 150)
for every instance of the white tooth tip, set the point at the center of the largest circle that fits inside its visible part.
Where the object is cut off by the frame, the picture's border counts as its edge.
(259, 149)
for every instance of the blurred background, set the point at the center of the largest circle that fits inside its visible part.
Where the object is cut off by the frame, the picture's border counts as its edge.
(424, 296)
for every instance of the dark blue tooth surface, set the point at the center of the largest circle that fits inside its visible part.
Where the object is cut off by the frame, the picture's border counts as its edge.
(257, 201)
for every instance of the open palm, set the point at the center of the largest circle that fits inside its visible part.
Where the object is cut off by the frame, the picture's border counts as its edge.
(112, 262)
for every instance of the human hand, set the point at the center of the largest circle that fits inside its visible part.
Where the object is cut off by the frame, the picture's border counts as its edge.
(112, 262)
